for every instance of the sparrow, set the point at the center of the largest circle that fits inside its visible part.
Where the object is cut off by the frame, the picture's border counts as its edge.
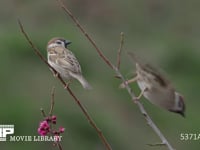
(64, 61)
(156, 88)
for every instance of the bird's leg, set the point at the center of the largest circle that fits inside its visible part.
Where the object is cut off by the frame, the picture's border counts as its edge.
(123, 85)
(137, 98)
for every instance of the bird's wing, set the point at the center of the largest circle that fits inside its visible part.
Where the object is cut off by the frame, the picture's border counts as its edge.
(67, 60)
(158, 77)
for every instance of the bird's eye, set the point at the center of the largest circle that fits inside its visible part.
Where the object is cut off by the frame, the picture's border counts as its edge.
(58, 42)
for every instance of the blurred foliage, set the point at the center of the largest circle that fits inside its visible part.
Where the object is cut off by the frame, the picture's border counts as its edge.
(165, 32)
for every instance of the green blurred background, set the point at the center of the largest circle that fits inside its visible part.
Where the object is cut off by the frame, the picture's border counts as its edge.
(165, 32)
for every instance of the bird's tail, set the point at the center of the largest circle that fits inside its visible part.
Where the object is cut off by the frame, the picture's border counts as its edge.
(83, 81)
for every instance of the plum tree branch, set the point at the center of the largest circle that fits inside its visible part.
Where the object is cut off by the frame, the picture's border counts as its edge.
(85, 33)
(78, 102)
(57, 143)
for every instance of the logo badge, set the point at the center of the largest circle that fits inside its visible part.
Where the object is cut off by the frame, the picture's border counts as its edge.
(5, 130)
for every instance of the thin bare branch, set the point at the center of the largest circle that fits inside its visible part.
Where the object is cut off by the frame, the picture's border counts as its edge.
(33, 46)
(102, 137)
(120, 49)
(59, 145)
(157, 144)
(119, 75)
(43, 112)
(106, 60)
(52, 101)
(81, 106)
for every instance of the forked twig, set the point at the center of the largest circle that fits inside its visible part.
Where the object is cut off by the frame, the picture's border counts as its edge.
(57, 143)
(81, 106)
(119, 75)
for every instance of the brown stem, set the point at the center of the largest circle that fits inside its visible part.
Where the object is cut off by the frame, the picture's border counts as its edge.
(83, 109)
(52, 101)
(106, 60)
(59, 145)
(43, 112)
(120, 49)
(102, 137)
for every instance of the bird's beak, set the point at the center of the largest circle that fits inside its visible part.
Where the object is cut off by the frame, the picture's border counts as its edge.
(67, 43)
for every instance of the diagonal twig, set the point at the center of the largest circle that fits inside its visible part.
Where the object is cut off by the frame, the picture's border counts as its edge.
(43, 112)
(80, 105)
(52, 101)
(120, 49)
(118, 74)
(106, 60)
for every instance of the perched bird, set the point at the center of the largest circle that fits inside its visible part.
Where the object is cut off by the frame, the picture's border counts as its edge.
(64, 61)
(156, 88)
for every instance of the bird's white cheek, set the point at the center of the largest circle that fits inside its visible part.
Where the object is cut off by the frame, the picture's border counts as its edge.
(52, 45)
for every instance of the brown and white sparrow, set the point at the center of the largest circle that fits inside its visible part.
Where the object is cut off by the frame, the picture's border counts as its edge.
(156, 88)
(64, 61)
